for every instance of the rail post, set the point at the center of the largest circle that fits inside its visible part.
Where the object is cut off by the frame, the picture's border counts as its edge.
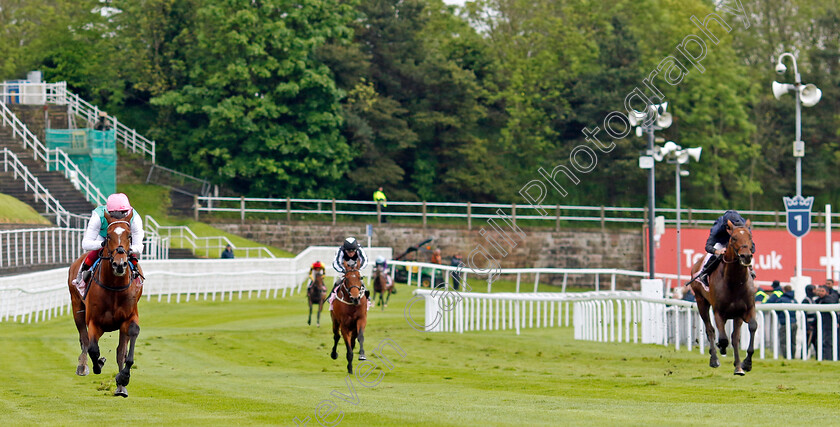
(424, 214)
(288, 209)
(195, 207)
(242, 209)
(333, 211)
(469, 215)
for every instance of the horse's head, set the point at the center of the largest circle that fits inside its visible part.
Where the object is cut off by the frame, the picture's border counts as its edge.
(118, 242)
(353, 284)
(740, 242)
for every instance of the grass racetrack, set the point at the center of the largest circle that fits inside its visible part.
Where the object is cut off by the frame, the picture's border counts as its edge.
(257, 362)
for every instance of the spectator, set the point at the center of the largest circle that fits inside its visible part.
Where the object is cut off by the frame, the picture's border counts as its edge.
(826, 296)
(382, 201)
(776, 293)
(810, 321)
(102, 122)
(456, 276)
(761, 296)
(228, 252)
(786, 298)
(436, 258)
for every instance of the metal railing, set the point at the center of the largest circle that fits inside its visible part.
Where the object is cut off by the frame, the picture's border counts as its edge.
(53, 159)
(170, 178)
(184, 236)
(31, 183)
(331, 208)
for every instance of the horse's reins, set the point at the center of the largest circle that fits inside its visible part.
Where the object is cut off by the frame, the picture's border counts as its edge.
(110, 258)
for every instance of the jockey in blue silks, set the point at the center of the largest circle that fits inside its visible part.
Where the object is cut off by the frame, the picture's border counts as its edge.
(717, 242)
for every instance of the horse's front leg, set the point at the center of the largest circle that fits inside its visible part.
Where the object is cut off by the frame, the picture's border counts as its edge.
(723, 341)
(124, 376)
(361, 332)
(349, 341)
(320, 308)
(703, 308)
(94, 333)
(336, 336)
(753, 326)
(84, 340)
(736, 345)
(309, 321)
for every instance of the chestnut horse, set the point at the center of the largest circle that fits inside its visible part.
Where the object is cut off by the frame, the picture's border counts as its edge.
(349, 315)
(732, 296)
(110, 303)
(380, 286)
(316, 294)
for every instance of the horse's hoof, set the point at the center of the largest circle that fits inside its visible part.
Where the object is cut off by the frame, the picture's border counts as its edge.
(308, 322)
(747, 367)
(714, 363)
(740, 372)
(334, 355)
(319, 325)
(121, 391)
(362, 357)
(97, 365)
(82, 370)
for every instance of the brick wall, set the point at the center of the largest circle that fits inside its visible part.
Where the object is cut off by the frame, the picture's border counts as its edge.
(564, 249)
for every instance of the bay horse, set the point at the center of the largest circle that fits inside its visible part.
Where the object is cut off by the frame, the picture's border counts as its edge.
(380, 286)
(110, 303)
(316, 294)
(731, 295)
(349, 315)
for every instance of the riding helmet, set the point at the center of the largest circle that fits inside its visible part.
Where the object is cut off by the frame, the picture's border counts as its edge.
(350, 244)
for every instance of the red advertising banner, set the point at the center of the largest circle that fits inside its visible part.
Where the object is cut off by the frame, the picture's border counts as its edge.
(775, 253)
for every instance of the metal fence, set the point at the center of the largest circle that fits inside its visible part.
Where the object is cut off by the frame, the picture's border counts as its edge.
(211, 246)
(330, 209)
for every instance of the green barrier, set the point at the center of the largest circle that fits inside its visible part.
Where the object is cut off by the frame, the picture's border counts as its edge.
(93, 151)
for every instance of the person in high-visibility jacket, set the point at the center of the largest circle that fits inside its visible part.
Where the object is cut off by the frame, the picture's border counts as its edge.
(379, 197)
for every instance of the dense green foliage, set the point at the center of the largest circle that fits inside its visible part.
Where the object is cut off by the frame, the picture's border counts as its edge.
(329, 98)
(256, 362)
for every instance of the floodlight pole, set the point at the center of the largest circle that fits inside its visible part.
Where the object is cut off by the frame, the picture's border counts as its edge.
(651, 204)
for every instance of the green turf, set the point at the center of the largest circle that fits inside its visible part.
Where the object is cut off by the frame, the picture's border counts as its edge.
(13, 211)
(256, 362)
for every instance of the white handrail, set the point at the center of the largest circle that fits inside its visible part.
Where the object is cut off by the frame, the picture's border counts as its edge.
(42, 153)
(52, 206)
(185, 234)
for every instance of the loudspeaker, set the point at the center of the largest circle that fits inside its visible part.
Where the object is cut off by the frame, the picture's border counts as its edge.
(669, 147)
(664, 120)
(694, 153)
(810, 95)
(780, 89)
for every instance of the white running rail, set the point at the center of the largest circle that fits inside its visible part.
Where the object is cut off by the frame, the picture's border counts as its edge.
(33, 246)
(39, 296)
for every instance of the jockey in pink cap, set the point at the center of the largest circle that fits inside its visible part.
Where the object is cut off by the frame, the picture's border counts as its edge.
(94, 239)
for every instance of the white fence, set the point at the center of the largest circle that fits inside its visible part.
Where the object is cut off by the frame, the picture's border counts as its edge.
(39, 296)
(211, 245)
(32, 246)
(625, 316)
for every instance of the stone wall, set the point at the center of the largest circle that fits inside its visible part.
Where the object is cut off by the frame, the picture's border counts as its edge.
(540, 248)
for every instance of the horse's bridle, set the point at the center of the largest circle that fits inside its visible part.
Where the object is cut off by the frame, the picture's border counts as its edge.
(110, 258)
(361, 289)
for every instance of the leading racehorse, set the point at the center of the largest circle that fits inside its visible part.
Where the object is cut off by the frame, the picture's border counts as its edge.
(110, 303)
(732, 296)
(316, 294)
(349, 315)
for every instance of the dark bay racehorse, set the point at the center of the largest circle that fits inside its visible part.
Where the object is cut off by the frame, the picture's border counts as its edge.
(380, 286)
(316, 294)
(110, 304)
(349, 315)
(731, 295)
